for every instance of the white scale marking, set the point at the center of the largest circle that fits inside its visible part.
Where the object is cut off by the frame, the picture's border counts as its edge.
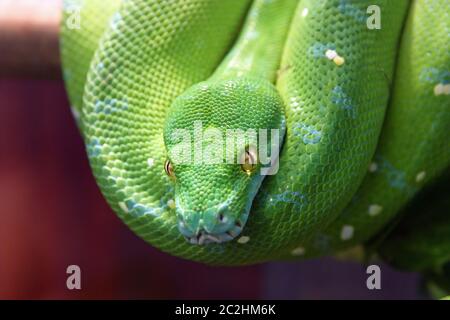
(171, 204)
(347, 232)
(298, 251)
(123, 206)
(243, 240)
(375, 210)
(441, 89)
(420, 176)
(305, 12)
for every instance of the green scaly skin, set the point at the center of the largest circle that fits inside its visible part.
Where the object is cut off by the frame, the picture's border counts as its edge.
(414, 148)
(78, 45)
(213, 201)
(160, 66)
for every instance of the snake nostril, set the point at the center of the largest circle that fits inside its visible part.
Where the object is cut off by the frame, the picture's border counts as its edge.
(221, 214)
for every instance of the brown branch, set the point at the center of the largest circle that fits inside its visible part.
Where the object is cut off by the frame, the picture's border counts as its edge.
(29, 45)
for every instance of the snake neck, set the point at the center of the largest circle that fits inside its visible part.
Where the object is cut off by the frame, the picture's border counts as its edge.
(214, 199)
(258, 50)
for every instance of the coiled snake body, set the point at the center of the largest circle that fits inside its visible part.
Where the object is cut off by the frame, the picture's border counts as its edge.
(365, 111)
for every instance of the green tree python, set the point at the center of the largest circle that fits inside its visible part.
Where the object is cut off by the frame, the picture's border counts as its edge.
(357, 103)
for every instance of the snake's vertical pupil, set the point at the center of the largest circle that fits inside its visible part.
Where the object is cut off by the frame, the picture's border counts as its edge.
(168, 167)
(249, 161)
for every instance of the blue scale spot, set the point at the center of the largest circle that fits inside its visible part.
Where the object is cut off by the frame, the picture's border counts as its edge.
(94, 148)
(396, 178)
(309, 134)
(434, 75)
(297, 199)
(341, 99)
(115, 21)
(110, 106)
(318, 49)
(67, 74)
(100, 66)
(349, 9)
(139, 210)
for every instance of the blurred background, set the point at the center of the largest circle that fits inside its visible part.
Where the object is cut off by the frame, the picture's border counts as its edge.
(52, 214)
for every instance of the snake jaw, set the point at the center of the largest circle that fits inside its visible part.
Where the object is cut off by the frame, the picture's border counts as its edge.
(203, 237)
(218, 223)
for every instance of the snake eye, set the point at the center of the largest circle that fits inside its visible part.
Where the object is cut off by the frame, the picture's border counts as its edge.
(168, 167)
(249, 160)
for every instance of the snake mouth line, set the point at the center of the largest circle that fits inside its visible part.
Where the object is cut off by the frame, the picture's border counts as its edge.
(203, 237)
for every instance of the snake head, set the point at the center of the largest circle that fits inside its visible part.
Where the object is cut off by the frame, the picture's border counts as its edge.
(214, 137)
